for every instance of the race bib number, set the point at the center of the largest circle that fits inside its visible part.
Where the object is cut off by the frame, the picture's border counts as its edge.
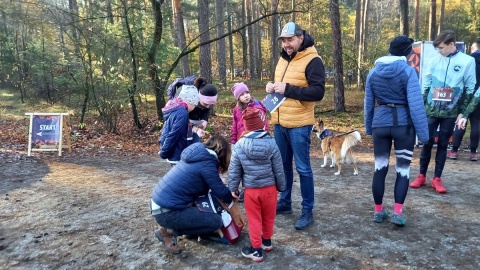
(442, 93)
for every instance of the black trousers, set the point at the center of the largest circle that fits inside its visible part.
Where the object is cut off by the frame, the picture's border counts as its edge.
(446, 129)
(474, 119)
(403, 140)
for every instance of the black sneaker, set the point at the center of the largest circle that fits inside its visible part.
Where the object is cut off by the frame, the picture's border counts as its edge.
(305, 220)
(256, 254)
(283, 208)
(267, 244)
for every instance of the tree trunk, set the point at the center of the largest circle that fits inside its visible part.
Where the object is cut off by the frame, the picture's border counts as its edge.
(293, 13)
(338, 94)
(273, 39)
(133, 89)
(365, 33)
(473, 15)
(244, 37)
(73, 8)
(441, 17)
(230, 41)
(258, 39)
(109, 12)
(433, 20)
(404, 17)
(158, 86)
(417, 19)
(251, 41)
(359, 46)
(221, 47)
(181, 39)
(205, 52)
(358, 23)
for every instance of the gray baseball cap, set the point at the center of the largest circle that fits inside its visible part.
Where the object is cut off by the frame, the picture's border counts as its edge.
(290, 29)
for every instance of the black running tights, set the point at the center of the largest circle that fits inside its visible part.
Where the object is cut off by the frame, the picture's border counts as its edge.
(403, 139)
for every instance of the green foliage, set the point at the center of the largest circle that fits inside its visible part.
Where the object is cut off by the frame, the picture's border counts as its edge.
(55, 57)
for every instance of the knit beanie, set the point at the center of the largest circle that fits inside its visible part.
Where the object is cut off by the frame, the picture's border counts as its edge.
(252, 119)
(401, 46)
(238, 89)
(189, 94)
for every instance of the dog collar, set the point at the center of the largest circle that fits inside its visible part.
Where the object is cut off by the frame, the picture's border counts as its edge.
(324, 133)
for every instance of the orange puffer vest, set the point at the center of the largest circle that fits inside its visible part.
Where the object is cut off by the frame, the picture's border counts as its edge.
(294, 113)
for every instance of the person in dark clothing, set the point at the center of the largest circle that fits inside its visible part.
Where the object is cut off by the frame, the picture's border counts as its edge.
(174, 196)
(207, 94)
(300, 78)
(474, 117)
(393, 85)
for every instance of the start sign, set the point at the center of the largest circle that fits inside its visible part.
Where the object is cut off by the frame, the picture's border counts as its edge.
(46, 131)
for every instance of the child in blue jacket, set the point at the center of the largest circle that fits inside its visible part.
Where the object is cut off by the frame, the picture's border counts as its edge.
(175, 128)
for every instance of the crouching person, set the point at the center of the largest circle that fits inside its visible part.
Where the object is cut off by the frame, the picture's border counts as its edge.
(173, 198)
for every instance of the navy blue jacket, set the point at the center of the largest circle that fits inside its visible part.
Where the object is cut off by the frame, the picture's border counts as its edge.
(393, 81)
(193, 176)
(174, 133)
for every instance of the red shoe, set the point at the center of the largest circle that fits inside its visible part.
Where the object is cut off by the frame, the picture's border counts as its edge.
(452, 155)
(437, 185)
(420, 181)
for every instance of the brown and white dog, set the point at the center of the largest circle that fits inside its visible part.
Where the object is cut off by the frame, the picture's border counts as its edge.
(338, 146)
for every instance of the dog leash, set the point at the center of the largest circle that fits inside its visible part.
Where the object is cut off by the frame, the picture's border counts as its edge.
(343, 134)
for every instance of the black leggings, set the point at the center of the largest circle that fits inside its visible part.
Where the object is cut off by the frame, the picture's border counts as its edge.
(403, 142)
(444, 134)
(474, 119)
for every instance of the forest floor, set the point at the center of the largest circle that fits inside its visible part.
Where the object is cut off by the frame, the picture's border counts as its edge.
(90, 212)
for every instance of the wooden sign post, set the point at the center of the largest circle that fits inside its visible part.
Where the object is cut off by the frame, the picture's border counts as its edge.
(47, 131)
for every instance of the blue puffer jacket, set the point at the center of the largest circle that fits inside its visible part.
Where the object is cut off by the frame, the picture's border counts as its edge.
(193, 176)
(257, 161)
(174, 133)
(392, 81)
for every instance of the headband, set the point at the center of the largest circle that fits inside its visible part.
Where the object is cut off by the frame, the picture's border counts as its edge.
(210, 100)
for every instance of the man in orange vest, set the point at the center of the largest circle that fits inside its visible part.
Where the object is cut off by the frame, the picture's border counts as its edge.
(300, 77)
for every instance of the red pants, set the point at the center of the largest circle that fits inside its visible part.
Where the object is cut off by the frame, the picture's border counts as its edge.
(261, 207)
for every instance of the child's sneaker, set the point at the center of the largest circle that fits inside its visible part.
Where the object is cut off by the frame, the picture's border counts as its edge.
(398, 220)
(379, 217)
(256, 254)
(466, 149)
(419, 181)
(473, 156)
(267, 244)
(452, 155)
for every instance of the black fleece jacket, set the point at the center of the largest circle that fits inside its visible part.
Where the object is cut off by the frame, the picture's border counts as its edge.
(315, 74)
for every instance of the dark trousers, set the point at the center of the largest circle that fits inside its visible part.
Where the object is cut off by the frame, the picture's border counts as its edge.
(446, 129)
(189, 221)
(403, 143)
(474, 119)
